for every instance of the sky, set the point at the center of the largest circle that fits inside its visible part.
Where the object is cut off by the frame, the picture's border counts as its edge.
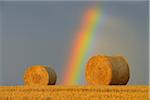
(36, 32)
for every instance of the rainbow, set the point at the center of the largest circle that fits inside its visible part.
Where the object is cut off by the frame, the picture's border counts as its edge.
(81, 45)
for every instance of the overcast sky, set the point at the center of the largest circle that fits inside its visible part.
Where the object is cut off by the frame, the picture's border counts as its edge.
(42, 33)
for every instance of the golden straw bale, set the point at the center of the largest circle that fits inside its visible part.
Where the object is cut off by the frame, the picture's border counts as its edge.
(39, 75)
(107, 70)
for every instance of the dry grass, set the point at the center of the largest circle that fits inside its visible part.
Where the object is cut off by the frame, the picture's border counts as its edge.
(74, 92)
(107, 70)
(39, 75)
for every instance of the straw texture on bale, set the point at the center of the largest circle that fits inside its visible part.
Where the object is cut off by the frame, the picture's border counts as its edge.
(39, 75)
(54, 92)
(107, 70)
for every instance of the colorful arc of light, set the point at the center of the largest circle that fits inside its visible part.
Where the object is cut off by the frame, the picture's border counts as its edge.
(81, 45)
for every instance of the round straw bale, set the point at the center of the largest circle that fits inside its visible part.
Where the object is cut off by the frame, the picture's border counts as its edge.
(39, 75)
(107, 70)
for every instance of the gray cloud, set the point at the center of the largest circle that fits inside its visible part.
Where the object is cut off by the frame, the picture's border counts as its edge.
(42, 33)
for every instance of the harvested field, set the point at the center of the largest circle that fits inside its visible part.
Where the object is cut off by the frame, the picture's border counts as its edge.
(74, 92)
